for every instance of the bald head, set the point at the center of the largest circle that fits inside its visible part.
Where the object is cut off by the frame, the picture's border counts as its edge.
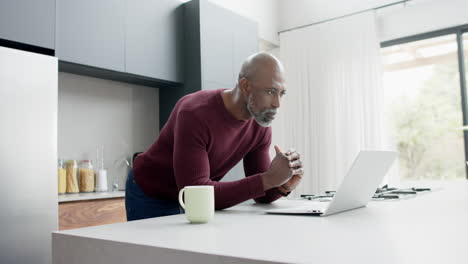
(257, 65)
(261, 84)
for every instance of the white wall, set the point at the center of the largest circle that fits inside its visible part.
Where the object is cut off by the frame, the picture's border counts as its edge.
(295, 13)
(421, 17)
(93, 112)
(418, 16)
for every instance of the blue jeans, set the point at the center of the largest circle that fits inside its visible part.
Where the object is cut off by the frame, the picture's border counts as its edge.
(140, 206)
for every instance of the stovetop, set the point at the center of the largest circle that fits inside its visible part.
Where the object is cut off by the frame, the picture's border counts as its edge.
(381, 194)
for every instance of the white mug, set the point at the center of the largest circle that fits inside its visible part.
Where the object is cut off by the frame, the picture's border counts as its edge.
(199, 203)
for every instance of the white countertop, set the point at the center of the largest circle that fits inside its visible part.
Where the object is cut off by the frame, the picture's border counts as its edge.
(70, 197)
(430, 228)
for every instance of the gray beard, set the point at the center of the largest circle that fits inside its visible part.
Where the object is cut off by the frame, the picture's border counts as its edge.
(260, 117)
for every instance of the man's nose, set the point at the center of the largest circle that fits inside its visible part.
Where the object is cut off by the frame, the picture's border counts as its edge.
(276, 102)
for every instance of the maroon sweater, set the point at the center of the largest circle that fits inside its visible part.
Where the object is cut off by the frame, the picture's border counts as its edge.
(199, 144)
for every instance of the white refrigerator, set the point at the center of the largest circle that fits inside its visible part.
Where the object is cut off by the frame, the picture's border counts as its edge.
(28, 156)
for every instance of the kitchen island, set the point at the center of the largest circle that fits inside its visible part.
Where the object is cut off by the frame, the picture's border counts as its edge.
(429, 228)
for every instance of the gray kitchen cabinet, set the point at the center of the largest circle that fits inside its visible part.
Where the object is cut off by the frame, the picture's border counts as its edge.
(227, 39)
(217, 44)
(154, 39)
(91, 33)
(28, 22)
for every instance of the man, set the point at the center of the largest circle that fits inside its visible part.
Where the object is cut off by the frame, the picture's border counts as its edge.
(207, 134)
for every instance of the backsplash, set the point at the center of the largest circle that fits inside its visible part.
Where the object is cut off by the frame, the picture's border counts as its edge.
(92, 112)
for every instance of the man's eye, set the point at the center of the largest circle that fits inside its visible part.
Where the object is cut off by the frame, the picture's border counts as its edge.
(282, 94)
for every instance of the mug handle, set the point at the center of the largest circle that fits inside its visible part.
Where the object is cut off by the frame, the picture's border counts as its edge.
(181, 192)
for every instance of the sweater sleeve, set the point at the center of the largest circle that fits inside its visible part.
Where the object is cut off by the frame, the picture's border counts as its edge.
(258, 161)
(192, 167)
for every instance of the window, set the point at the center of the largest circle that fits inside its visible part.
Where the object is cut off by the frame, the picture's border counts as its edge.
(465, 52)
(423, 107)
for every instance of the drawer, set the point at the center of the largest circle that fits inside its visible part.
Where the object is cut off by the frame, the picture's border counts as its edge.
(78, 214)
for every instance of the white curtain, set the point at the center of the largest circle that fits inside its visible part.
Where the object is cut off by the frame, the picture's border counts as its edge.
(333, 105)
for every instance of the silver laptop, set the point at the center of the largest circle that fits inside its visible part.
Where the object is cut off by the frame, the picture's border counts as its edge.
(356, 189)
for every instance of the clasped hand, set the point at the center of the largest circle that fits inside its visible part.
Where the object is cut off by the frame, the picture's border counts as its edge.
(285, 171)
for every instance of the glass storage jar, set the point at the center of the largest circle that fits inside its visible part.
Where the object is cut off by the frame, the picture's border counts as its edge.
(72, 176)
(86, 172)
(62, 177)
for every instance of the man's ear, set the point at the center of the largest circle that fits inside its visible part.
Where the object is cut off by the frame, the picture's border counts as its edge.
(244, 86)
